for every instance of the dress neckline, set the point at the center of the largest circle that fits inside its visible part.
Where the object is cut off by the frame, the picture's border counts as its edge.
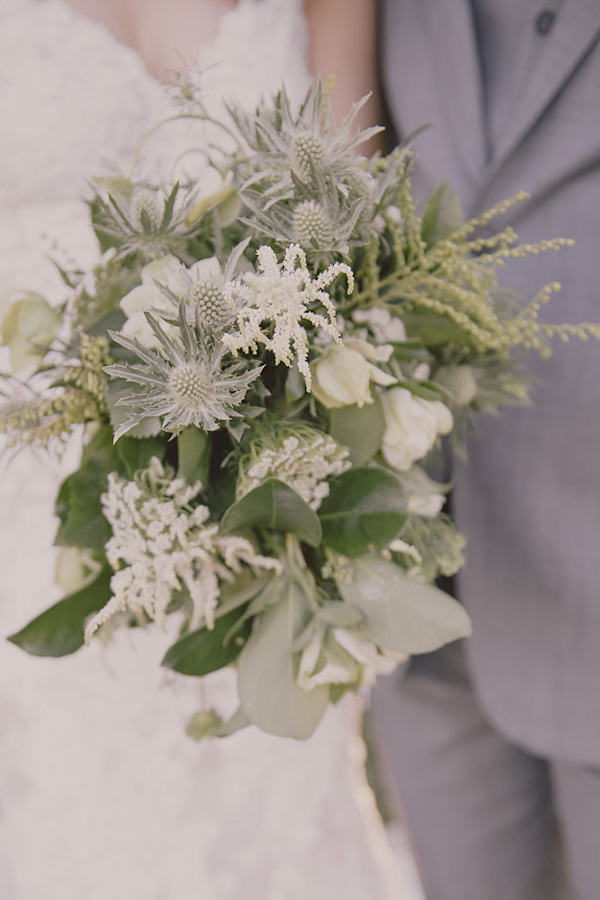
(83, 19)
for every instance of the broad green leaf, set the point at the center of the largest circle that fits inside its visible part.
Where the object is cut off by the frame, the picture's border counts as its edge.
(78, 506)
(360, 429)
(339, 614)
(135, 453)
(443, 215)
(402, 614)
(276, 506)
(365, 508)
(113, 320)
(246, 587)
(267, 670)
(431, 328)
(59, 630)
(193, 446)
(205, 650)
(426, 390)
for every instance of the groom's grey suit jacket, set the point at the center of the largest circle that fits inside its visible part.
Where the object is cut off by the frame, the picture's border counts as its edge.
(529, 502)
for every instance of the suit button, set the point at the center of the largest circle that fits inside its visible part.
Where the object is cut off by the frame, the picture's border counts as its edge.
(544, 21)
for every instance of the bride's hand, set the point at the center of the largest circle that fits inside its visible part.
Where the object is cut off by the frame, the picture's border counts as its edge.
(343, 44)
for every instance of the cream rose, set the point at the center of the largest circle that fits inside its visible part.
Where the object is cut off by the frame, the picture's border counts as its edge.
(342, 375)
(411, 427)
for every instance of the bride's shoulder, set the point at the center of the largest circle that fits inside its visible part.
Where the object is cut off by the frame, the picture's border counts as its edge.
(53, 30)
(71, 94)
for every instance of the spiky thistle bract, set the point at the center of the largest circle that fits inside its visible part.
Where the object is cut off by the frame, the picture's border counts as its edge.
(187, 383)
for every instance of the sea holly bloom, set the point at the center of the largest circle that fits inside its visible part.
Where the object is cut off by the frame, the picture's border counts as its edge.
(307, 146)
(278, 303)
(187, 383)
(141, 218)
(165, 282)
(304, 182)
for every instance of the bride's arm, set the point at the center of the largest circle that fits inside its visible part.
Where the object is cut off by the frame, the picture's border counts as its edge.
(343, 43)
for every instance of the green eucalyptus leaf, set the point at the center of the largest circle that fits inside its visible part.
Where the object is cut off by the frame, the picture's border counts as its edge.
(360, 429)
(267, 670)
(135, 453)
(426, 390)
(365, 508)
(169, 207)
(245, 587)
(401, 614)
(113, 320)
(274, 505)
(193, 446)
(59, 630)
(78, 505)
(431, 328)
(443, 215)
(339, 614)
(206, 650)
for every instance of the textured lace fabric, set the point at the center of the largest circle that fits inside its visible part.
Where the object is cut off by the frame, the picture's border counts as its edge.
(101, 794)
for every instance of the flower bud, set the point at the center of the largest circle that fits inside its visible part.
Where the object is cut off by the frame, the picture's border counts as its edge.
(27, 328)
(459, 382)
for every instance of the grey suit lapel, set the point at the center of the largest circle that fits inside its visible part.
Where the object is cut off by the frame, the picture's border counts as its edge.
(575, 32)
(456, 63)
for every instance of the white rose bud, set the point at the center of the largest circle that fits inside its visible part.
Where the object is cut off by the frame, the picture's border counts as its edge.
(341, 377)
(411, 427)
(27, 328)
(167, 271)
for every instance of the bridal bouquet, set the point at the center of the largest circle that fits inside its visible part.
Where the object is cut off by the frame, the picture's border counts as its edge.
(263, 364)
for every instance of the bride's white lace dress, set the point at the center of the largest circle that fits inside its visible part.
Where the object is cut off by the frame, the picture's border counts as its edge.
(102, 797)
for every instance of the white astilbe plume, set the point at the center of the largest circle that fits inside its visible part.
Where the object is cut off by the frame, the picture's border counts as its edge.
(278, 302)
(166, 546)
(301, 457)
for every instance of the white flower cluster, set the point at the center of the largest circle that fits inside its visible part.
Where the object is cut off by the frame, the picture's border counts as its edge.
(384, 327)
(167, 547)
(303, 461)
(275, 302)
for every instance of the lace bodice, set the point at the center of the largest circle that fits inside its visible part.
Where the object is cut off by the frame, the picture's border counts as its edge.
(101, 794)
(73, 101)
